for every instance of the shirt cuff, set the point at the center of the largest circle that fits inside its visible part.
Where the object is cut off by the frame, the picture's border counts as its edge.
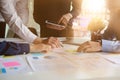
(110, 46)
(106, 45)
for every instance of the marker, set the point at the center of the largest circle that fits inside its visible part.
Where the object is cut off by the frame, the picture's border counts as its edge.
(61, 44)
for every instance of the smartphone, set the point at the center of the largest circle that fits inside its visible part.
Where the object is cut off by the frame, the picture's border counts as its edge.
(54, 26)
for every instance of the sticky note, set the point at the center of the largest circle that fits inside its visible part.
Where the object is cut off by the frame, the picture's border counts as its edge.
(37, 54)
(11, 64)
(35, 57)
(2, 70)
(70, 51)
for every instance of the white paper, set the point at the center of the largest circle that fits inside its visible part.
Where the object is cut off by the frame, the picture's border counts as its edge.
(112, 58)
(14, 65)
(48, 62)
(88, 61)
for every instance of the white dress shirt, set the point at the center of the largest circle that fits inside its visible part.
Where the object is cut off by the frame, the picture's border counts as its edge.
(110, 46)
(15, 19)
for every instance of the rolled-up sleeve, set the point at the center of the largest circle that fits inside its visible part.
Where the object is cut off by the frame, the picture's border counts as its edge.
(15, 23)
(76, 4)
(110, 46)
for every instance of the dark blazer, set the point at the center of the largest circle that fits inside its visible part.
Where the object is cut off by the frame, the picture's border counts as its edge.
(52, 10)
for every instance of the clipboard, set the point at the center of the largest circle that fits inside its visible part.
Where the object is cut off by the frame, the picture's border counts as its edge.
(54, 26)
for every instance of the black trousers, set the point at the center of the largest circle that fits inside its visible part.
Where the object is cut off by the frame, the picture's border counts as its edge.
(2, 29)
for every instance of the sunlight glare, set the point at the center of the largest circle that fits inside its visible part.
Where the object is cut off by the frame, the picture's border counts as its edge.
(94, 5)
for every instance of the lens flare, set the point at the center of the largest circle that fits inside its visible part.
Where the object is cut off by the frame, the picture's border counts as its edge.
(94, 5)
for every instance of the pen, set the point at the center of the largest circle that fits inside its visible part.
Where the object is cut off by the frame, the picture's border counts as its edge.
(110, 61)
(61, 44)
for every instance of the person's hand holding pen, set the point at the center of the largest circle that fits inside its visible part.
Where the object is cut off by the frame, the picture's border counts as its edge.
(45, 45)
(53, 42)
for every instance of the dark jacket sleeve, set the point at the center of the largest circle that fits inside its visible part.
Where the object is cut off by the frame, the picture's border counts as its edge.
(12, 48)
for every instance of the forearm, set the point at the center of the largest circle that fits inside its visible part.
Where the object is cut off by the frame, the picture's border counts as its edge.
(23, 10)
(14, 21)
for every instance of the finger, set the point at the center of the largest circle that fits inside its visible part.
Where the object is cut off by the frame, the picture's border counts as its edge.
(64, 21)
(61, 28)
(52, 42)
(46, 48)
(58, 43)
(89, 50)
(53, 46)
(83, 48)
(55, 41)
(60, 20)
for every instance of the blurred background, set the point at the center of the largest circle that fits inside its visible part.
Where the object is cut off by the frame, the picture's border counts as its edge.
(91, 9)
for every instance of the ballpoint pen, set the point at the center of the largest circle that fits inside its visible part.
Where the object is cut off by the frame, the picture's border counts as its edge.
(61, 44)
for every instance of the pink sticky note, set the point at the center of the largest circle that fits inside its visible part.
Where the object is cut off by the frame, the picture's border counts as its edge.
(11, 64)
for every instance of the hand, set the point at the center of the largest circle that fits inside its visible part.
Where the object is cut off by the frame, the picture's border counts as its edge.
(65, 19)
(90, 46)
(53, 42)
(37, 41)
(40, 48)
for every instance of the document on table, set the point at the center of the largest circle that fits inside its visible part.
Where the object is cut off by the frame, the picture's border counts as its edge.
(88, 62)
(13, 65)
(113, 58)
(48, 62)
